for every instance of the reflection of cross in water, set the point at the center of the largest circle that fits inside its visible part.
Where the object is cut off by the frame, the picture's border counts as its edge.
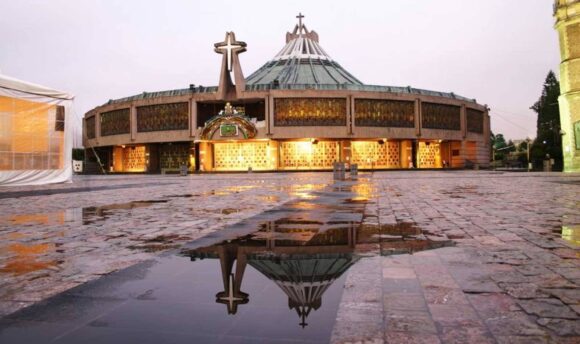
(229, 298)
(232, 296)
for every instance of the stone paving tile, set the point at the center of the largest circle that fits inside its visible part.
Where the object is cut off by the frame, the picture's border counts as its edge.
(547, 308)
(507, 263)
(53, 242)
(510, 278)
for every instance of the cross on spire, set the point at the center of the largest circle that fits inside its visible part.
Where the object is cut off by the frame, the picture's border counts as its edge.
(300, 16)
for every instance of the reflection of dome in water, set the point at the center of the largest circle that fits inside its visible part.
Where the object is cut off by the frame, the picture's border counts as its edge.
(304, 278)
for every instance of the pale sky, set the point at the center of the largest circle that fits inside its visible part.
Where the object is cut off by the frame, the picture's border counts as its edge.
(497, 51)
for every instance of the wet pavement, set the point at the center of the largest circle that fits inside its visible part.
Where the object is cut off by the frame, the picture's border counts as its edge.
(426, 257)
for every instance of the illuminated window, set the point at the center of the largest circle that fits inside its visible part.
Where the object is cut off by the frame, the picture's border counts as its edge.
(384, 113)
(309, 112)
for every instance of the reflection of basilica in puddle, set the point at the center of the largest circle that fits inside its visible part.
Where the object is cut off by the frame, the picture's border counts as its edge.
(296, 255)
(304, 257)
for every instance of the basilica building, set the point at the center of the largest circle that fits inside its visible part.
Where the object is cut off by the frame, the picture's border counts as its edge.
(300, 111)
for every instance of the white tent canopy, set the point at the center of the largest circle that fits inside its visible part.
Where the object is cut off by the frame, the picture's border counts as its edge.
(36, 134)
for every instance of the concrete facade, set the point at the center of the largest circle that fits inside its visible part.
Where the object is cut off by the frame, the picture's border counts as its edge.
(457, 148)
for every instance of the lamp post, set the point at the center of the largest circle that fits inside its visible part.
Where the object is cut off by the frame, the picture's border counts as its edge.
(528, 153)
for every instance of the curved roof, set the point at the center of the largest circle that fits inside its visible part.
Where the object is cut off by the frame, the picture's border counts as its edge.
(302, 61)
(302, 64)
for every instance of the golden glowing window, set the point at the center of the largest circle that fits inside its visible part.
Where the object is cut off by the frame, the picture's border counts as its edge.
(374, 154)
(30, 138)
(135, 159)
(239, 156)
(309, 112)
(429, 155)
(308, 155)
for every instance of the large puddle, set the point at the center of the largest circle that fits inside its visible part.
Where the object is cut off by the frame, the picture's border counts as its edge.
(277, 276)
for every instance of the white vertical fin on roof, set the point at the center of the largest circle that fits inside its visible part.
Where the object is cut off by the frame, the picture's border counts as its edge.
(302, 44)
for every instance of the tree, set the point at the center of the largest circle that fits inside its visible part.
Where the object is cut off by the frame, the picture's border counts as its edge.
(498, 142)
(548, 139)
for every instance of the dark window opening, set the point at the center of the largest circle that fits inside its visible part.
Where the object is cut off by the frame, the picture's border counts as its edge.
(251, 109)
(59, 118)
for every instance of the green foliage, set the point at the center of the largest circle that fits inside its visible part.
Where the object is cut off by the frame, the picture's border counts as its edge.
(548, 140)
(498, 142)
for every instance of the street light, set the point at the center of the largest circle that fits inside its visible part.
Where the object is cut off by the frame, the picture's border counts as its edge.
(528, 153)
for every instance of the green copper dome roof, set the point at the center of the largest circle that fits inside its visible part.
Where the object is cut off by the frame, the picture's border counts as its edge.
(302, 61)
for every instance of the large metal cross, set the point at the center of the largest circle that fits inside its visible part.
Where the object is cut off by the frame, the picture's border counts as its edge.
(299, 16)
(229, 46)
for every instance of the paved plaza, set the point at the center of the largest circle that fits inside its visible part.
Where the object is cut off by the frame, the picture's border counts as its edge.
(433, 256)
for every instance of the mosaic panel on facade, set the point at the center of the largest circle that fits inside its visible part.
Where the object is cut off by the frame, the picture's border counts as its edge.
(309, 112)
(429, 155)
(372, 154)
(135, 159)
(307, 155)
(440, 116)
(384, 113)
(116, 122)
(159, 117)
(90, 124)
(474, 121)
(173, 156)
(239, 156)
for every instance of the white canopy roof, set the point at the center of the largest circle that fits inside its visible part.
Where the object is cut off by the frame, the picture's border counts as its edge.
(13, 84)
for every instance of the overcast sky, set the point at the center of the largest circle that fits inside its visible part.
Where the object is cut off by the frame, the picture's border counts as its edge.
(496, 51)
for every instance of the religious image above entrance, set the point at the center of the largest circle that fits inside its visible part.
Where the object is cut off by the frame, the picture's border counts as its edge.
(301, 110)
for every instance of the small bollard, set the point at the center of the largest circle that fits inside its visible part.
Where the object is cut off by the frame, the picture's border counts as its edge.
(249, 169)
(339, 171)
(354, 169)
(183, 170)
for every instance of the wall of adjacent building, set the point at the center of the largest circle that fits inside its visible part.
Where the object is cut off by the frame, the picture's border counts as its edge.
(567, 14)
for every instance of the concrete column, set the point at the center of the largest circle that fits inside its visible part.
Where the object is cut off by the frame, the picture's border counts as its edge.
(267, 114)
(271, 113)
(97, 127)
(486, 127)
(133, 121)
(463, 120)
(192, 117)
(418, 118)
(350, 114)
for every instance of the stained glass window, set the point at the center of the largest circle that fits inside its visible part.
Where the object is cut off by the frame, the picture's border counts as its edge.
(474, 121)
(115, 122)
(384, 113)
(309, 112)
(441, 116)
(174, 116)
(90, 127)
